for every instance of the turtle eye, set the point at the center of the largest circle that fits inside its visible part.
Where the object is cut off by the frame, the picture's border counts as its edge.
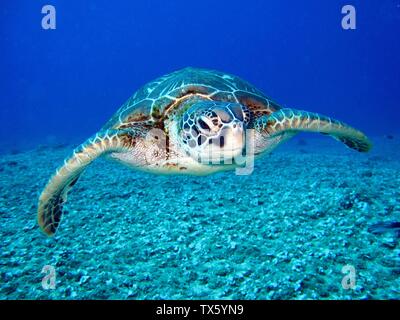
(203, 125)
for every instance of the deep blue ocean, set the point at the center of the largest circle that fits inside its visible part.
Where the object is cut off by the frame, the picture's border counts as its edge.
(315, 220)
(67, 82)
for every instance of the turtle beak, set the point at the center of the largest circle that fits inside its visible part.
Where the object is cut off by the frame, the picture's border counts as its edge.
(229, 143)
(236, 138)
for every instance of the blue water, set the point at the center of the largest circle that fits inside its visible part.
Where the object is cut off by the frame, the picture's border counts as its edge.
(58, 87)
(67, 82)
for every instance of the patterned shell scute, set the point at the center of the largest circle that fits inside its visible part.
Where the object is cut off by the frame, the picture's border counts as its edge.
(150, 103)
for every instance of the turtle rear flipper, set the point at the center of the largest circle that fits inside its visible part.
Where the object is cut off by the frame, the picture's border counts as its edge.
(55, 193)
(291, 120)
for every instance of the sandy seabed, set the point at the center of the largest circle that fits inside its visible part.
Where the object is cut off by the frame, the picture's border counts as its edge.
(283, 232)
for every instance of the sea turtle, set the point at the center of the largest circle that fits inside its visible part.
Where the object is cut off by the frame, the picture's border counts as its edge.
(192, 121)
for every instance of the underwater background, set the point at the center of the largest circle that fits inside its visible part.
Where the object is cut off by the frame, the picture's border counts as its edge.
(286, 231)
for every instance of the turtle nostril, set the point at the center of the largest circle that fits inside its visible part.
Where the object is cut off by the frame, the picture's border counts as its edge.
(236, 125)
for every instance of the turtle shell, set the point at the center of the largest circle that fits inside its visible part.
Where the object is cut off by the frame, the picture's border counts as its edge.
(157, 100)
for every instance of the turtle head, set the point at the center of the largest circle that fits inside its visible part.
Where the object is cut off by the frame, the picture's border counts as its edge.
(212, 131)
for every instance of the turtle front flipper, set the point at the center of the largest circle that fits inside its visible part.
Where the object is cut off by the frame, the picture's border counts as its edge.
(292, 121)
(55, 193)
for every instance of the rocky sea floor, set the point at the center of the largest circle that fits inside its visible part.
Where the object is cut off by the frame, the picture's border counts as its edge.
(283, 232)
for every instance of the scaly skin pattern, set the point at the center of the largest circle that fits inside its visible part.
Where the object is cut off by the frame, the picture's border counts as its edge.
(291, 120)
(55, 193)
